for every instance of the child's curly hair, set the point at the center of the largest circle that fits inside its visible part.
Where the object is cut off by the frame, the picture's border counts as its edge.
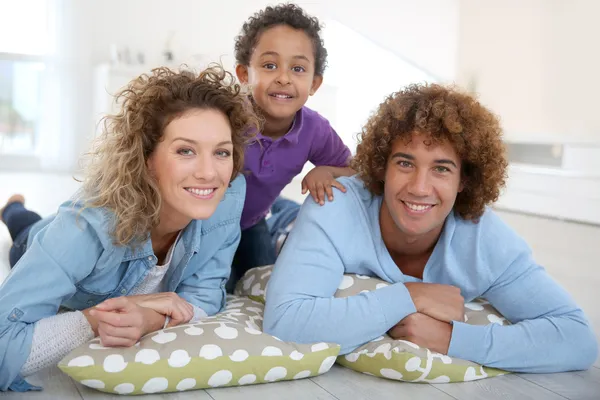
(117, 177)
(443, 113)
(282, 14)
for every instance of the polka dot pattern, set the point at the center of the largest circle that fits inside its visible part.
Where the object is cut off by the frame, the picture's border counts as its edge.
(233, 340)
(220, 378)
(406, 361)
(155, 385)
(186, 384)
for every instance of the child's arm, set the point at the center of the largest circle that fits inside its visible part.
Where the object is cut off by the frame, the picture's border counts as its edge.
(331, 158)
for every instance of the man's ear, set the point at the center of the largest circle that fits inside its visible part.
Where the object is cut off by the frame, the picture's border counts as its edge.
(241, 71)
(316, 84)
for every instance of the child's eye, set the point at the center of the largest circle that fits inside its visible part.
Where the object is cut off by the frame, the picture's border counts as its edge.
(223, 153)
(299, 69)
(185, 152)
(270, 66)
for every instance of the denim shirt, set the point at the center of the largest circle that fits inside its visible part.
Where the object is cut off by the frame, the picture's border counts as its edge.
(71, 261)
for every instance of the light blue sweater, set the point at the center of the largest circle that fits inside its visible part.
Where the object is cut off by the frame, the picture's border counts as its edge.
(487, 259)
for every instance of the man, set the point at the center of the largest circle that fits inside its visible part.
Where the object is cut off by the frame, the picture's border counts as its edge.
(429, 163)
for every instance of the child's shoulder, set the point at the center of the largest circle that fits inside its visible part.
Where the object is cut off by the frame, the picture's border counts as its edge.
(311, 119)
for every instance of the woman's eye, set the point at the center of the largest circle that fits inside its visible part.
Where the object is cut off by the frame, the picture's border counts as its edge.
(185, 152)
(224, 153)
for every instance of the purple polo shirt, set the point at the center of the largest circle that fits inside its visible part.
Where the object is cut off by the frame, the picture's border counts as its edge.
(271, 164)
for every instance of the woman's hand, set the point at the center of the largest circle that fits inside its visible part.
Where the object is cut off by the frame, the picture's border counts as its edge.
(121, 322)
(169, 304)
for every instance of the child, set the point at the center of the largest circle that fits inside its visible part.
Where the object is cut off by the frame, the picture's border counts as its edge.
(151, 237)
(281, 57)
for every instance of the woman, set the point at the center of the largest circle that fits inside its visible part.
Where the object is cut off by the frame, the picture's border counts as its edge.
(147, 242)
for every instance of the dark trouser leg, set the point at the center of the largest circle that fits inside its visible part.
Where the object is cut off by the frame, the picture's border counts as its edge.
(283, 213)
(19, 221)
(255, 250)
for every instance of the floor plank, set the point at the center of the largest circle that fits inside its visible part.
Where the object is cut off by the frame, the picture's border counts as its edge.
(91, 394)
(346, 384)
(593, 374)
(289, 390)
(56, 386)
(509, 387)
(572, 385)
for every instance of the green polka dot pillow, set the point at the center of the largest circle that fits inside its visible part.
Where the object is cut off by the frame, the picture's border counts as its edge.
(228, 349)
(254, 283)
(405, 361)
(389, 358)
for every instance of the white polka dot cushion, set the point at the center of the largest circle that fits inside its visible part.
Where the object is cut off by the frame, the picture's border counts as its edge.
(254, 283)
(228, 349)
(405, 361)
(389, 358)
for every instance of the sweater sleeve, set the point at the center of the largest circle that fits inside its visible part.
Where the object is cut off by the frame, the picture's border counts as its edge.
(549, 332)
(300, 306)
(54, 337)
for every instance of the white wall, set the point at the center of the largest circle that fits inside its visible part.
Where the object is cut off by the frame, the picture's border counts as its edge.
(534, 63)
(364, 61)
(415, 34)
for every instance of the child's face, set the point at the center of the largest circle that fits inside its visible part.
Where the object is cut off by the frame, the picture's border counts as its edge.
(281, 73)
(193, 164)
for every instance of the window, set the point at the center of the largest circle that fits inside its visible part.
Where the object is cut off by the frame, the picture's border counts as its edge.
(24, 44)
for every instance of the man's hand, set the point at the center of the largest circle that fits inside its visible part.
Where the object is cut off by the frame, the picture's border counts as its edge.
(167, 303)
(120, 322)
(424, 331)
(319, 181)
(442, 302)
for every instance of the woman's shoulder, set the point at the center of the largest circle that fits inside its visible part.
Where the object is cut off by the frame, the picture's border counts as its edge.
(231, 206)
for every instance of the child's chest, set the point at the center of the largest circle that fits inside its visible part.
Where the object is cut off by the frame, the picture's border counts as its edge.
(280, 160)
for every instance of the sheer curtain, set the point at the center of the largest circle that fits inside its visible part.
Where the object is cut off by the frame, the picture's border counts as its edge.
(66, 126)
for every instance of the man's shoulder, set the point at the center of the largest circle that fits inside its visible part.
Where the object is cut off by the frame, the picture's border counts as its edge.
(493, 238)
(356, 201)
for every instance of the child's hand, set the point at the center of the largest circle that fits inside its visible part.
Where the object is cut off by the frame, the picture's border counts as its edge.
(319, 181)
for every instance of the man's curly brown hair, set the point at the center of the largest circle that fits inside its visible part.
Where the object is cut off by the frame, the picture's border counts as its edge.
(282, 14)
(117, 177)
(444, 113)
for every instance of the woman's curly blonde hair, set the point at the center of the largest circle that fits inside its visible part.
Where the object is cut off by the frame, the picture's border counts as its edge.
(117, 177)
(444, 114)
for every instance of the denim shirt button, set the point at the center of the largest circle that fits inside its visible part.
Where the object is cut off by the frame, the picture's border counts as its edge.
(150, 258)
(123, 291)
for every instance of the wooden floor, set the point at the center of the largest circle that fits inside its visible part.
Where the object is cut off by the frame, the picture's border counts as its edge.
(570, 252)
(344, 384)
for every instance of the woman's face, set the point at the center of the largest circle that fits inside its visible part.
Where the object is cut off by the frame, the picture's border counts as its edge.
(193, 164)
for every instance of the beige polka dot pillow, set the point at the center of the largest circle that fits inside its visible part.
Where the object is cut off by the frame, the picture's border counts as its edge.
(228, 349)
(254, 283)
(389, 358)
